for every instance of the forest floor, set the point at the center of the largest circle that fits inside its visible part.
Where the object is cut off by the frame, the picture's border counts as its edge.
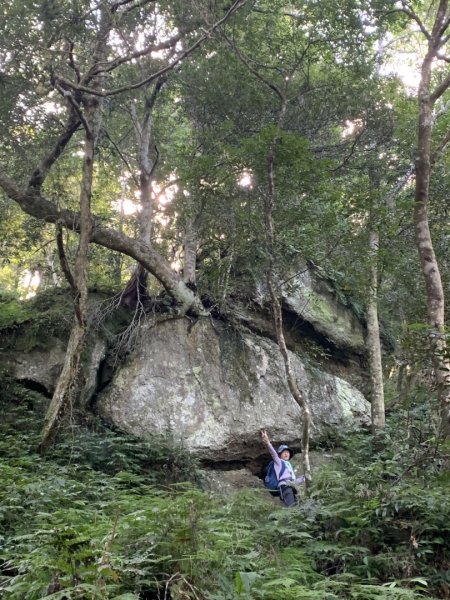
(109, 516)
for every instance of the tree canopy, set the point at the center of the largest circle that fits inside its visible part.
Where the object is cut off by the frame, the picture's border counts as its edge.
(183, 100)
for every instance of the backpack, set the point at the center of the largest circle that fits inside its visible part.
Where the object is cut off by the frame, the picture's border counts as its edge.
(270, 479)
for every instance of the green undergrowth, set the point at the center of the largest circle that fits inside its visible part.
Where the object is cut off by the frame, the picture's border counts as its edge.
(29, 324)
(110, 517)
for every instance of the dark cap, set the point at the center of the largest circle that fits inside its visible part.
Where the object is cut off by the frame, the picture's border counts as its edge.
(283, 447)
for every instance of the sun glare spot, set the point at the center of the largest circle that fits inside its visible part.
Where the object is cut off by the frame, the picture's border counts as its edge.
(176, 265)
(52, 108)
(245, 180)
(162, 220)
(350, 127)
(30, 281)
(402, 62)
(165, 193)
(127, 207)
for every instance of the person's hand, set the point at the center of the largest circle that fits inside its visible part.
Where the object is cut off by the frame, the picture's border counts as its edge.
(265, 436)
(293, 484)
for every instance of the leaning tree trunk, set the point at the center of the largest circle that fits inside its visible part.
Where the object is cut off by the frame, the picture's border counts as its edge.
(67, 382)
(135, 291)
(66, 386)
(297, 394)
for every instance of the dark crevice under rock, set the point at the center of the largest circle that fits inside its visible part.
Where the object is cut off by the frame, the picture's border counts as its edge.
(256, 466)
(224, 465)
(105, 374)
(298, 329)
(298, 332)
(34, 386)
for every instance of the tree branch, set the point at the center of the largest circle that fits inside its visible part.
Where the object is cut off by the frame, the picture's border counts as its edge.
(440, 150)
(39, 174)
(67, 95)
(353, 147)
(439, 26)
(39, 207)
(117, 5)
(444, 28)
(66, 83)
(138, 54)
(412, 15)
(71, 60)
(119, 152)
(440, 89)
(63, 258)
(252, 70)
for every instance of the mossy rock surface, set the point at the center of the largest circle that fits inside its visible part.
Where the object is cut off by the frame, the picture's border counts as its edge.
(214, 390)
(26, 325)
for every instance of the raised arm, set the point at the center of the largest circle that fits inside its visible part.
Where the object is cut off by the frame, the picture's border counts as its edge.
(270, 448)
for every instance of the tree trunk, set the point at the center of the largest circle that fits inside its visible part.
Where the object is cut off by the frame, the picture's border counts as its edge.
(65, 388)
(67, 382)
(190, 253)
(428, 262)
(118, 258)
(135, 291)
(373, 337)
(298, 396)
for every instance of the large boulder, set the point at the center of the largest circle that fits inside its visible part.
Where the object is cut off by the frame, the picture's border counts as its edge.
(212, 388)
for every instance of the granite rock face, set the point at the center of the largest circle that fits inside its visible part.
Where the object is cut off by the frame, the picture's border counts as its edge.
(42, 367)
(315, 302)
(212, 389)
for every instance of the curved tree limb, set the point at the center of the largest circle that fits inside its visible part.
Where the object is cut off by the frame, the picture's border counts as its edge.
(40, 173)
(110, 66)
(39, 207)
(407, 10)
